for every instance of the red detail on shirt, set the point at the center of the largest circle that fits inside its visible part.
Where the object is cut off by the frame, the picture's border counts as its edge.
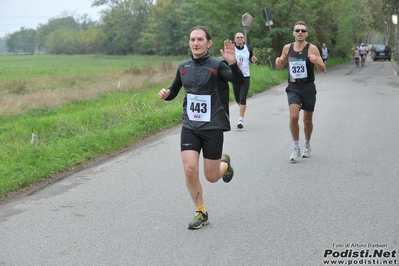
(214, 71)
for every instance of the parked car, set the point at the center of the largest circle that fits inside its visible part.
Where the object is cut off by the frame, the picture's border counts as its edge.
(381, 51)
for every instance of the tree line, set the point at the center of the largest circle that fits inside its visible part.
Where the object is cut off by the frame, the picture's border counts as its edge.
(162, 27)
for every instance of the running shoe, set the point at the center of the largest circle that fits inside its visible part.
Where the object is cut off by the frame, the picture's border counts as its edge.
(240, 125)
(200, 219)
(306, 151)
(229, 173)
(295, 155)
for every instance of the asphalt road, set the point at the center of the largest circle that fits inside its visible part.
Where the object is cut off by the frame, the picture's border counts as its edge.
(342, 203)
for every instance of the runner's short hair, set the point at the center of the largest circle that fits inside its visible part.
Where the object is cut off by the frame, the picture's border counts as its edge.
(300, 23)
(208, 36)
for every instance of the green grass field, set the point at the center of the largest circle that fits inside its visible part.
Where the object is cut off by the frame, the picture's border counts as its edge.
(43, 139)
(14, 67)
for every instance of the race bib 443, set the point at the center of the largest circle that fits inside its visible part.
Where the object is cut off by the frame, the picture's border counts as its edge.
(199, 107)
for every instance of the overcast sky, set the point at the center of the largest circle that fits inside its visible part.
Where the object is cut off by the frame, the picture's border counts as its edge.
(15, 14)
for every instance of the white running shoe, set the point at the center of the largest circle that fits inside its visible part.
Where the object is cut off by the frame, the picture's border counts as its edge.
(306, 151)
(295, 155)
(240, 125)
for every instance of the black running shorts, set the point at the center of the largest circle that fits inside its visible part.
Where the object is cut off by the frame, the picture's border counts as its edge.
(303, 94)
(210, 141)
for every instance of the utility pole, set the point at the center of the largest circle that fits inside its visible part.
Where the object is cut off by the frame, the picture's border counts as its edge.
(268, 16)
(386, 33)
(395, 22)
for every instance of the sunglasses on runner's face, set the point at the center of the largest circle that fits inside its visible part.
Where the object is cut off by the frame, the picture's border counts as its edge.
(300, 30)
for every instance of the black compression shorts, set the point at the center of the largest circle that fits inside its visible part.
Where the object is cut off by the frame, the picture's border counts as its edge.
(210, 141)
(241, 91)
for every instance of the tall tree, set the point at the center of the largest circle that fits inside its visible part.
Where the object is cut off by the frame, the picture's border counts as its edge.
(68, 22)
(29, 40)
(64, 41)
(123, 23)
(24, 40)
(13, 41)
(91, 40)
(164, 29)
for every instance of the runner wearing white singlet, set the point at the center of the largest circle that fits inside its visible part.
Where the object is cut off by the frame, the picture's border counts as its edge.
(356, 56)
(363, 53)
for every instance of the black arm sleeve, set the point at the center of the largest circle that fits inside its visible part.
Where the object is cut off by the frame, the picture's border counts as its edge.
(175, 87)
(250, 54)
(231, 73)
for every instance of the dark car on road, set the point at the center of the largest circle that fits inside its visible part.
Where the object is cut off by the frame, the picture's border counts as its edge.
(381, 51)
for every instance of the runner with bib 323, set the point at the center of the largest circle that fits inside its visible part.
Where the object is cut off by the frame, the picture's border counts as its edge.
(301, 90)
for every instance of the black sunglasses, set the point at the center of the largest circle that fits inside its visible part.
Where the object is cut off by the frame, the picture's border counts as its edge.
(300, 30)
